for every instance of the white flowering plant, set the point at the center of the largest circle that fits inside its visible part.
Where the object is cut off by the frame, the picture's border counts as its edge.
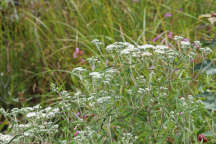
(129, 94)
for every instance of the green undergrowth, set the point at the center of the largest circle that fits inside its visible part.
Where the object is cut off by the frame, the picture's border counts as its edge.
(128, 94)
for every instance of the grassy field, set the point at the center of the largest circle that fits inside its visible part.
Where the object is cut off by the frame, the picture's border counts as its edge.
(125, 92)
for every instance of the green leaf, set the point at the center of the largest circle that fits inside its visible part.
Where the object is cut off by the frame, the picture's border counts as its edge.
(209, 133)
(209, 100)
(206, 67)
(210, 44)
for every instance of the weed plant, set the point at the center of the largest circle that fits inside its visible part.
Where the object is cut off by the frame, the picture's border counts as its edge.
(107, 71)
(128, 94)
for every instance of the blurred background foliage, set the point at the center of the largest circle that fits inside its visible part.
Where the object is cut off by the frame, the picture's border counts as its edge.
(38, 38)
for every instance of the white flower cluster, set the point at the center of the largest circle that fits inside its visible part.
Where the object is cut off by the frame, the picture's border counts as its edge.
(185, 48)
(178, 38)
(94, 99)
(96, 75)
(46, 113)
(128, 138)
(118, 46)
(38, 122)
(86, 135)
(206, 50)
(109, 75)
(185, 44)
(97, 43)
(141, 50)
(143, 90)
(93, 61)
(4, 139)
(78, 69)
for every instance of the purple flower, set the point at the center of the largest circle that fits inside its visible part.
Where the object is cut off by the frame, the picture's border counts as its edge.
(82, 60)
(76, 133)
(156, 38)
(85, 117)
(76, 52)
(78, 113)
(181, 9)
(163, 41)
(180, 113)
(185, 39)
(107, 61)
(170, 35)
(167, 15)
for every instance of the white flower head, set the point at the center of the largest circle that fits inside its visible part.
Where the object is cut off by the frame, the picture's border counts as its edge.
(159, 51)
(206, 50)
(185, 44)
(37, 107)
(103, 99)
(182, 99)
(5, 138)
(197, 43)
(126, 51)
(146, 46)
(129, 49)
(96, 42)
(190, 97)
(95, 75)
(172, 112)
(161, 47)
(31, 114)
(112, 71)
(117, 46)
(177, 38)
(78, 69)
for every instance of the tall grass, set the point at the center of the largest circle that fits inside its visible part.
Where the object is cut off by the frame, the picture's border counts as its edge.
(38, 38)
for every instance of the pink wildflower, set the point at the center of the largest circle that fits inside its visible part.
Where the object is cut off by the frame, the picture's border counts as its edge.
(76, 133)
(81, 60)
(77, 53)
(170, 35)
(180, 113)
(167, 15)
(185, 39)
(156, 38)
(85, 117)
(78, 114)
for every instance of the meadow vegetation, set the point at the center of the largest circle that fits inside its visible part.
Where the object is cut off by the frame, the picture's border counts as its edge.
(107, 71)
